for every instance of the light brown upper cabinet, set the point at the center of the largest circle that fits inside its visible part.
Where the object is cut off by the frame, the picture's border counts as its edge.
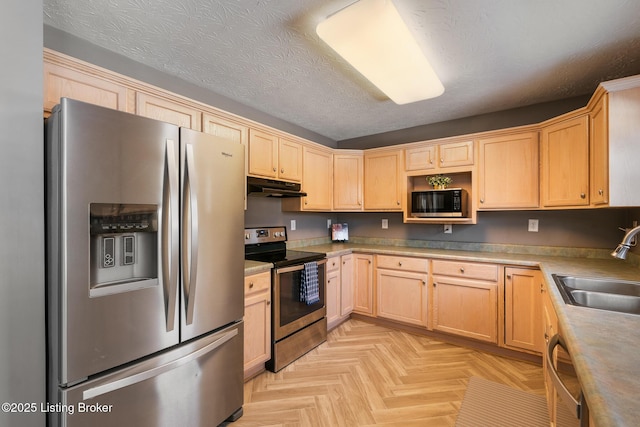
(565, 163)
(382, 180)
(274, 157)
(615, 145)
(599, 156)
(317, 179)
(508, 171)
(86, 83)
(347, 180)
(169, 111)
(433, 156)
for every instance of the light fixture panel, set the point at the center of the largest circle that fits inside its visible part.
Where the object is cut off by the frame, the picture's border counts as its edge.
(373, 38)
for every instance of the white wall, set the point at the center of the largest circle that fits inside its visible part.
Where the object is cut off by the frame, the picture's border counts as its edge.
(22, 292)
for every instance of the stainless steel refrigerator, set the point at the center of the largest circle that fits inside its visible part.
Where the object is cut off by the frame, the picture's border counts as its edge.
(145, 266)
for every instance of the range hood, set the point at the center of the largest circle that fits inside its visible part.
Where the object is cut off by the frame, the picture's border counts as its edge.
(262, 187)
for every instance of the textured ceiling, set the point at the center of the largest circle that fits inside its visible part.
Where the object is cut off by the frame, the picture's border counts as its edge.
(490, 55)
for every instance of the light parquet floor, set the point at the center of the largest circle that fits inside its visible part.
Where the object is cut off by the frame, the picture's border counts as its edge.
(369, 375)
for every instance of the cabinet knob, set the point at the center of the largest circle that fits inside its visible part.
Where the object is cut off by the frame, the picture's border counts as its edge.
(462, 270)
(268, 302)
(583, 195)
(509, 276)
(424, 282)
(274, 169)
(481, 200)
(398, 203)
(282, 170)
(601, 192)
(434, 284)
(250, 285)
(400, 263)
(441, 160)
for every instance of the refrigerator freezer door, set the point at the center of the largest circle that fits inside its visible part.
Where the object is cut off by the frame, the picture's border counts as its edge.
(197, 384)
(212, 250)
(111, 171)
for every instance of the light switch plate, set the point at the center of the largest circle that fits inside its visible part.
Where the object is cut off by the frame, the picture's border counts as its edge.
(293, 224)
(533, 225)
(448, 228)
(385, 223)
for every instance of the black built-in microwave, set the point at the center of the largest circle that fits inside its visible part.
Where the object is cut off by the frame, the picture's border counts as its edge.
(450, 202)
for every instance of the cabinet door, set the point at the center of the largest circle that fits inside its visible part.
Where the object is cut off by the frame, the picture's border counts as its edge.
(346, 282)
(263, 154)
(523, 308)
(347, 182)
(421, 158)
(257, 323)
(226, 129)
(382, 189)
(466, 307)
(599, 156)
(63, 82)
(168, 111)
(317, 179)
(363, 284)
(455, 154)
(508, 172)
(333, 298)
(565, 163)
(289, 160)
(402, 296)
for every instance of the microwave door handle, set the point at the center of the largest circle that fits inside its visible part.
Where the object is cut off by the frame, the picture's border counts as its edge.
(168, 234)
(570, 401)
(190, 228)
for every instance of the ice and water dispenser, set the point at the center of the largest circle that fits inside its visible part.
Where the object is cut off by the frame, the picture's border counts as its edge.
(124, 247)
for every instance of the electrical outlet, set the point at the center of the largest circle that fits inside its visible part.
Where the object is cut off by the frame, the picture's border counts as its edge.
(293, 224)
(448, 228)
(328, 222)
(533, 225)
(385, 223)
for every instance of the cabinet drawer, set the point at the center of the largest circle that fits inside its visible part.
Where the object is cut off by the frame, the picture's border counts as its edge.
(257, 283)
(403, 263)
(469, 270)
(333, 263)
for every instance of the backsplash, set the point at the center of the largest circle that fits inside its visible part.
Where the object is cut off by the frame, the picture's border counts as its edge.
(580, 233)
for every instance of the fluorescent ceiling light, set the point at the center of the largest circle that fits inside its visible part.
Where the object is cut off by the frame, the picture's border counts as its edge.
(372, 37)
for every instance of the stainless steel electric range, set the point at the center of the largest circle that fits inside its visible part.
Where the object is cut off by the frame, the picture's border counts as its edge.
(297, 326)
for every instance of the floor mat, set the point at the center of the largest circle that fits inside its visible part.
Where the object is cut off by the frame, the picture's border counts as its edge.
(487, 403)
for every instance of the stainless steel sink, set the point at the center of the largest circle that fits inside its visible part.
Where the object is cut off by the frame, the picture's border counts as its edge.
(604, 294)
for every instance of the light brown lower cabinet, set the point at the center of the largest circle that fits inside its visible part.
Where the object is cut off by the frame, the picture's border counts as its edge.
(401, 285)
(257, 323)
(363, 289)
(465, 300)
(339, 289)
(523, 308)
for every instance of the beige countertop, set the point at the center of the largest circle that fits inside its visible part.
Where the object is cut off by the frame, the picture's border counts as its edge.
(605, 346)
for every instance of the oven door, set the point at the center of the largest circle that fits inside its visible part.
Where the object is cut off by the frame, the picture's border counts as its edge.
(289, 313)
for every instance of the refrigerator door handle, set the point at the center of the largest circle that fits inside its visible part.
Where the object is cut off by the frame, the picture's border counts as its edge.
(158, 370)
(169, 234)
(190, 256)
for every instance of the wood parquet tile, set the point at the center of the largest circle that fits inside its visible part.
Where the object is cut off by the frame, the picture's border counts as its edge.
(369, 375)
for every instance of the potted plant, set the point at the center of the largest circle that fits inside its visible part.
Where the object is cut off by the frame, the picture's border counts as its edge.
(439, 182)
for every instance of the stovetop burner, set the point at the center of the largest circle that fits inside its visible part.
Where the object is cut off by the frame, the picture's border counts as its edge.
(268, 244)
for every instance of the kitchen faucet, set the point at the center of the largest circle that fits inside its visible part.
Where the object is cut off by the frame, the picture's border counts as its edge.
(621, 251)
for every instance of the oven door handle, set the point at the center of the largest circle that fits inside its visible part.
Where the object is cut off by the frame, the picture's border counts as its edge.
(577, 407)
(297, 267)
